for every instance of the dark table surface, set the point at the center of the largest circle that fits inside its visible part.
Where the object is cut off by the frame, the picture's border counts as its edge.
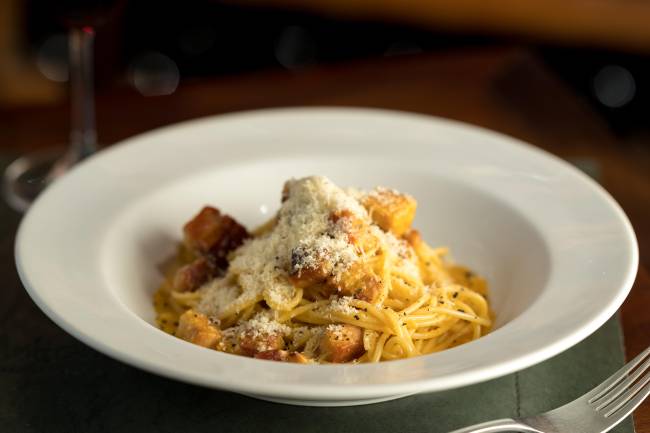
(506, 89)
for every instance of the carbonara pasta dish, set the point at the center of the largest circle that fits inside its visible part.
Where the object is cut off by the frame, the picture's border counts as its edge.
(337, 275)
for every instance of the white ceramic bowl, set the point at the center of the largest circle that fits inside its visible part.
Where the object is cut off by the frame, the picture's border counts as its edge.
(558, 252)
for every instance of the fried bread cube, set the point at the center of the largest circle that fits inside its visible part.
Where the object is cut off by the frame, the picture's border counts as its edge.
(358, 232)
(307, 269)
(390, 210)
(190, 277)
(359, 281)
(283, 355)
(253, 343)
(341, 343)
(214, 234)
(196, 328)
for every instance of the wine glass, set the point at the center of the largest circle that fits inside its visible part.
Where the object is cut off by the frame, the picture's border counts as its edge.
(25, 178)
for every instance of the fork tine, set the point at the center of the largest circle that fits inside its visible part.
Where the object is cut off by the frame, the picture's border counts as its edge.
(613, 393)
(640, 387)
(615, 378)
(627, 409)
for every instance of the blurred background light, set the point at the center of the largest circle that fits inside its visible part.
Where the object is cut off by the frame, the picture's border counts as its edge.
(614, 86)
(154, 74)
(52, 57)
(295, 48)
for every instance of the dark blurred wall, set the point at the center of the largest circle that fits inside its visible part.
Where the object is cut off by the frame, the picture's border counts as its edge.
(153, 39)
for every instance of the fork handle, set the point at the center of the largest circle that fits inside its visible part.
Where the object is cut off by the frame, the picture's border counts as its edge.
(499, 425)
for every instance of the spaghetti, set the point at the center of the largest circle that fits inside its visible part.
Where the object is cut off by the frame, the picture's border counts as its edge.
(335, 276)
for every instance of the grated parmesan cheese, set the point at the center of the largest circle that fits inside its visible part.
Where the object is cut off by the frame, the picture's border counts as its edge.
(398, 246)
(262, 325)
(382, 194)
(216, 296)
(336, 330)
(405, 254)
(304, 232)
(304, 237)
(342, 305)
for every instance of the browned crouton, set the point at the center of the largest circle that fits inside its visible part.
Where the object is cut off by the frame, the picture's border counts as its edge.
(196, 328)
(253, 343)
(214, 234)
(283, 355)
(190, 277)
(341, 343)
(352, 225)
(357, 231)
(306, 269)
(390, 210)
(358, 281)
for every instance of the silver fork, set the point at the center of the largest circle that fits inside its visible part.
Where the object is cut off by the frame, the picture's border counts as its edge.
(597, 411)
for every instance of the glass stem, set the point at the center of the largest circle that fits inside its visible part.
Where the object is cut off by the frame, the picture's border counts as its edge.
(83, 137)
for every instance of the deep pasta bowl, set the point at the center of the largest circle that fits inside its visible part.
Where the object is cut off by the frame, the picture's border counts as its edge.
(559, 254)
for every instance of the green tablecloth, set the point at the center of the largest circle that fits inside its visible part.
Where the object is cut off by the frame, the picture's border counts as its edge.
(49, 382)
